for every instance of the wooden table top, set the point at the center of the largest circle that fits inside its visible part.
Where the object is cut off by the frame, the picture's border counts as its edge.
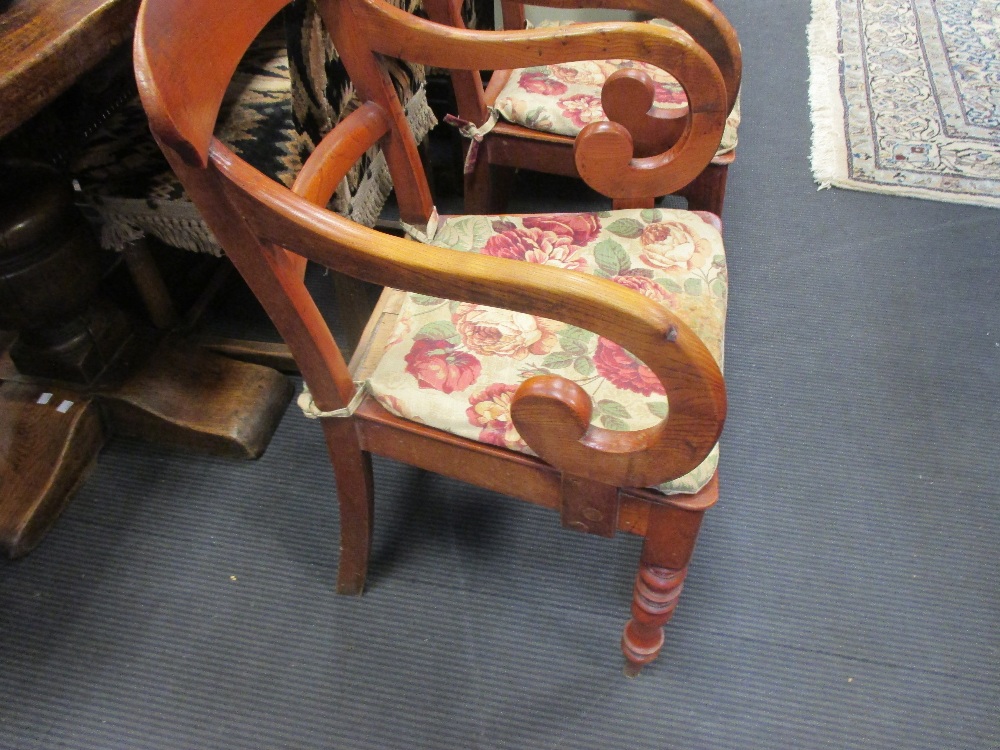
(45, 45)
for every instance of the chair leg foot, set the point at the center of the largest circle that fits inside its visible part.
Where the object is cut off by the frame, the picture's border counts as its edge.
(670, 538)
(349, 583)
(631, 670)
(653, 603)
(356, 497)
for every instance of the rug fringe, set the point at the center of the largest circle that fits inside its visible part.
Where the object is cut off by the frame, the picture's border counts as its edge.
(177, 223)
(367, 203)
(829, 142)
(854, 164)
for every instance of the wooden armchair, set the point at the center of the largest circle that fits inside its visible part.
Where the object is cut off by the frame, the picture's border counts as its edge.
(569, 360)
(528, 118)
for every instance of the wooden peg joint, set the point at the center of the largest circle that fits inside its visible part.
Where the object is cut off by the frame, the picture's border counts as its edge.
(589, 507)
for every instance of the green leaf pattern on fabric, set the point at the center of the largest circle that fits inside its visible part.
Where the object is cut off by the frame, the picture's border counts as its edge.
(456, 366)
(611, 257)
(422, 299)
(629, 228)
(439, 330)
(470, 231)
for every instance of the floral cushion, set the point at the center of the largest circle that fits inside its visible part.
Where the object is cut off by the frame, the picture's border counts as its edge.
(455, 366)
(563, 98)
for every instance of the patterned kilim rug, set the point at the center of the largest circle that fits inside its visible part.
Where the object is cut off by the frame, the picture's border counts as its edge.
(905, 97)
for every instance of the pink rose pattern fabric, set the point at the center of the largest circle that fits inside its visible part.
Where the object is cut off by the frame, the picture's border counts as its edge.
(456, 366)
(564, 98)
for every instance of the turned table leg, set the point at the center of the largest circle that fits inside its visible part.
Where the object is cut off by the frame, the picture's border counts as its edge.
(49, 436)
(80, 368)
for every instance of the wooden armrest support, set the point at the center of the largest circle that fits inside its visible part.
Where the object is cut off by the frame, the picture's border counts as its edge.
(340, 150)
(333, 158)
(604, 151)
(550, 412)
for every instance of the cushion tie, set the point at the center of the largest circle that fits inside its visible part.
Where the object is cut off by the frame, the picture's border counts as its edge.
(473, 133)
(425, 235)
(310, 410)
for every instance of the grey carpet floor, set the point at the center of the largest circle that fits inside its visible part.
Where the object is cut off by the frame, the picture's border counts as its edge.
(843, 594)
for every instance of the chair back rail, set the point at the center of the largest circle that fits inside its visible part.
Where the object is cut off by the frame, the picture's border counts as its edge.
(185, 71)
(466, 84)
(699, 18)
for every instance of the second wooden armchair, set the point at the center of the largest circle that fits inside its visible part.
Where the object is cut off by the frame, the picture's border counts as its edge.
(571, 360)
(529, 117)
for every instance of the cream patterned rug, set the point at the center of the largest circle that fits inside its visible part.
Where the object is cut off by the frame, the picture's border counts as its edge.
(905, 97)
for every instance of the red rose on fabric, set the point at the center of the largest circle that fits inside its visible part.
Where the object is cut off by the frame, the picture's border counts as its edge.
(645, 286)
(582, 109)
(583, 228)
(435, 363)
(535, 246)
(490, 411)
(584, 72)
(624, 370)
(537, 82)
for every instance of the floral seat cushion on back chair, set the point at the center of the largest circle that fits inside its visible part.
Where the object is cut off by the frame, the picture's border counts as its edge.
(562, 99)
(455, 366)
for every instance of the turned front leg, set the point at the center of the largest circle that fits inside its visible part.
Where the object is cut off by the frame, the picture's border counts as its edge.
(670, 540)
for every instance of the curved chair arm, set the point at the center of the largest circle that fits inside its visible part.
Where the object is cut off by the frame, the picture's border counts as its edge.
(706, 24)
(604, 151)
(550, 412)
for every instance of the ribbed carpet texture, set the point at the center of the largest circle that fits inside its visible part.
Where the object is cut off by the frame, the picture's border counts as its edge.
(843, 594)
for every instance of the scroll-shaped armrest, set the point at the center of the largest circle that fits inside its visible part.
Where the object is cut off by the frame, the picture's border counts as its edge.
(550, 412)
(604, 151)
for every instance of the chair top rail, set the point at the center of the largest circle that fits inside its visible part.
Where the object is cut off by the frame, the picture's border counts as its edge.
(183, 74)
